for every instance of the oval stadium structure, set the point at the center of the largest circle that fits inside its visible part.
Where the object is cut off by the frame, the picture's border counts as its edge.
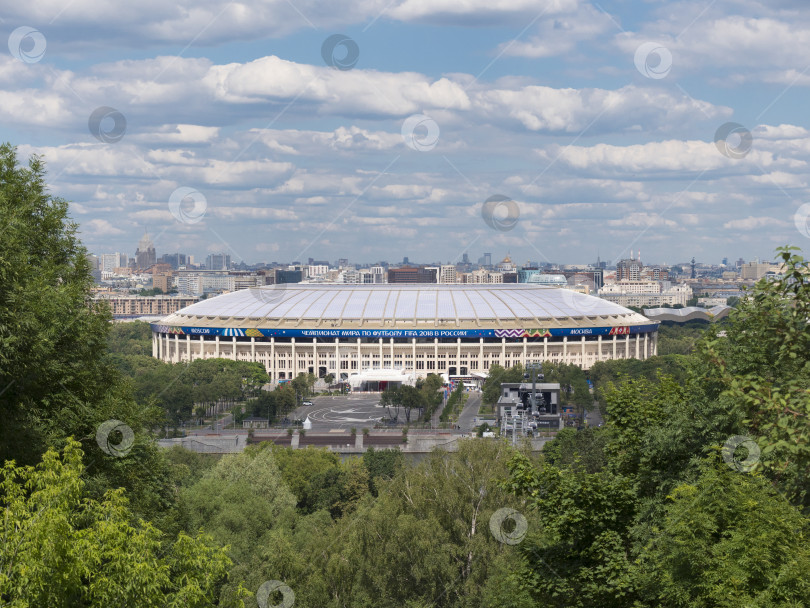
(416, 329)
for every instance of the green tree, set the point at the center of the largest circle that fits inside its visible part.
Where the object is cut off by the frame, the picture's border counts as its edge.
(64, 548)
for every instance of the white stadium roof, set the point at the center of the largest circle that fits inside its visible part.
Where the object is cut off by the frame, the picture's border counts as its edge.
(393, 305)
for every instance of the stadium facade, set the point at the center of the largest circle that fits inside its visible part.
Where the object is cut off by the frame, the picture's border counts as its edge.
(454, 330)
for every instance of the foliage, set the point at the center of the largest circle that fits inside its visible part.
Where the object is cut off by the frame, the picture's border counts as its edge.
(63, 548)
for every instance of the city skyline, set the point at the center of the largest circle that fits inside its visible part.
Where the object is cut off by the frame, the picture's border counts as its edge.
(547, 128)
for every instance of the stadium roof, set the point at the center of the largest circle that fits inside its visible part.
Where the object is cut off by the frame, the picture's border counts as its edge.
(404, 305)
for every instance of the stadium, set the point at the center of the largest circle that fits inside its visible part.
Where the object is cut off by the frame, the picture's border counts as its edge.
(365, 334)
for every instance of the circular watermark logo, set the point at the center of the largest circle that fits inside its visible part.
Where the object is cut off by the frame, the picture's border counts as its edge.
(500, 213)
(802, 220)
(115, 438)
(100, 127)
(187, 205)
(734, 459)
(653, 60)
(420, 132)
(269, 294)
(344, 60)
(575, 299)
(733, 140)
(268, 589)
(508, 526)
(27, 44)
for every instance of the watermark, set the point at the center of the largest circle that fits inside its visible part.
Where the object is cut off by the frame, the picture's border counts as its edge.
(802, 220)
(733, 140)
(653, 60)
(268, 588)
(27, 44)
(344, 62)
(106, 437)
(508, 526)
(187, 205)
(580, 297)
(729, 451)
(500, 213)
(269, 294)
(420, 133)
(100, 127)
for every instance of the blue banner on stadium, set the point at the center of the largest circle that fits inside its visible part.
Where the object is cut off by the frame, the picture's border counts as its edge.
(620, 330)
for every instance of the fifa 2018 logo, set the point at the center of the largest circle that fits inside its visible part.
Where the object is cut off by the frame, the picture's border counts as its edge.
(619, 331)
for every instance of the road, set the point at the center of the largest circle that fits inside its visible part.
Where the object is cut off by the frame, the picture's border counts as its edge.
(466, 419)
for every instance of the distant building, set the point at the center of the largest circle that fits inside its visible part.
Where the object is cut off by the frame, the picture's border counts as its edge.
(289, 276)
(447, 274)
(142, 306)
(555, 280)
(756, 270)
(629, 270)
(410, 274)
(218, 261)
(145, 253)
(650, 294)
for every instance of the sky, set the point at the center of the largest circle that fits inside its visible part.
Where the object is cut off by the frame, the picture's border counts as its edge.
(551, 130)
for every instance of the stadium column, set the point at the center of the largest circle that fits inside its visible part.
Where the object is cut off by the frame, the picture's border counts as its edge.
(359, 358)
(176, 348)
(646, 348)
(599, 348)
(274, 375)
(614, 346)
(638, 345)
(252, 349)
(337, 359)
(655, 343)
(294, 359)
(188, 348)
(160, 347)
(583, 352)
(202, 347)
(234, 348)
(392, 352)
(565, 349)
(154, 345)
(626, 346)
(216, 347)
(481, 352)
(315, 356)
(413, 351)
(525, 361)
(381, 355)
(458, 356)
(545, 348)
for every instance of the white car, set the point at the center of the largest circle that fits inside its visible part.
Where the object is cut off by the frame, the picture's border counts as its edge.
(307, 403)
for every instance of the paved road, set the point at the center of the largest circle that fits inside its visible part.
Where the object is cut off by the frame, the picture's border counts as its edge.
(594, 418)
(470, 412)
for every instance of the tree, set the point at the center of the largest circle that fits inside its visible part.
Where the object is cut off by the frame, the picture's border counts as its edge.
(329, 379)
(63, 548)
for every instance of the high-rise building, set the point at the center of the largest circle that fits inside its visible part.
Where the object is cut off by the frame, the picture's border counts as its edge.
(629, 269)
(145, 254)
(447, 273)
(218, 261)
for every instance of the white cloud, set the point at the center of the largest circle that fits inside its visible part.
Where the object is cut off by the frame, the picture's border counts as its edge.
(753, 223)
(99, 228)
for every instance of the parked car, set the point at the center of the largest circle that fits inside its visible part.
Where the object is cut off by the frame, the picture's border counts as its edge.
(307, 403)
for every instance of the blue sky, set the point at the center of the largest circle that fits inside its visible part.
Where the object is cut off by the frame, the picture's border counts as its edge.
(226, 129)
